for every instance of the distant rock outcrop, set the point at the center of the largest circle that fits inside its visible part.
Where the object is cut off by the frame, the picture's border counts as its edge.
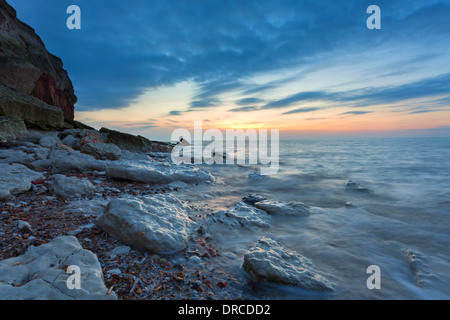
(134, 143)
(27, 67)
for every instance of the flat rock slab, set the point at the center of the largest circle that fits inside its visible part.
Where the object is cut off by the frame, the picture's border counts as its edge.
(41, 273)
(16, 179)
(156, 173)
(284, 208)
(268, 261)
(159, 224)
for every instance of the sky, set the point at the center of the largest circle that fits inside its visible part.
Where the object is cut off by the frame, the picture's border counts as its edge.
(309, 68)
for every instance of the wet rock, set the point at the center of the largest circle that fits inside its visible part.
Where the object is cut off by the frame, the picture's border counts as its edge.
(16, 179)
(158, 224)
(11, 128)
(284, 208)
(41, 273)
(253, 198)
(102, 151)
(69, 187)
(243, 216)
(355, 187)
(268, 261)
(258, 177)
(419, 267)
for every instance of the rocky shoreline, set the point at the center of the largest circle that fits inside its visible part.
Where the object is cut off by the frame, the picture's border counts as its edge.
(107, 202)
(147, 243)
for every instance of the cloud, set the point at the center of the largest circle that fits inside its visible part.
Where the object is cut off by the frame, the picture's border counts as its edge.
(248, 101)
(356, 112)
(244, 109)
(424, 111)
(175, 113)
(206, 103)
(430, 87)
(302, 110)
(126, 48)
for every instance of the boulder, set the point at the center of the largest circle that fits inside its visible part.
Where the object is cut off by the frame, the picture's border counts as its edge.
(16, 179)
(27, 67)
(284, 208)
(11, 128)
(156, 173)
(34, 112)
(243, 216)
(268, 261)
(41, 273)
(159, 224)
(69, 187)
(102, 151)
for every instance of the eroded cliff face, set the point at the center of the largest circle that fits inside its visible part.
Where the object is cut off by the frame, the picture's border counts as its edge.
(27, 67)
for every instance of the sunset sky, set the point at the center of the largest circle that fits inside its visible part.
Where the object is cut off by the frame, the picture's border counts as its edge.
(308, 68)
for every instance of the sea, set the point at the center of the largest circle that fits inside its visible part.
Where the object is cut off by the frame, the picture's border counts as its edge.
(394, 214)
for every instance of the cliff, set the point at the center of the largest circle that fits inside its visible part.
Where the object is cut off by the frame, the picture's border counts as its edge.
(28, 68)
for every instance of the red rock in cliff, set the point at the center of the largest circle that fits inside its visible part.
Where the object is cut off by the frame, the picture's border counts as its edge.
(27, 67)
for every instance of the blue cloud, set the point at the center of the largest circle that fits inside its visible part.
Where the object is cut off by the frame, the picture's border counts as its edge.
(356, 112)
(125, 48)
(302, 110)
(430, 87)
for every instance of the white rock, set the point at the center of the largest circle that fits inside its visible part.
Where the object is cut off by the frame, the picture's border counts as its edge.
(16, 179)
(268, 261)
(156, 172)
(284, 208)
(69, 187)
(243, 216)
(159, 224)
(40, 274)
(48, 141)
(62, 161)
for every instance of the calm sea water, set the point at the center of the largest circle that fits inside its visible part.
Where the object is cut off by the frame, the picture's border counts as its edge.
(405, 206)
